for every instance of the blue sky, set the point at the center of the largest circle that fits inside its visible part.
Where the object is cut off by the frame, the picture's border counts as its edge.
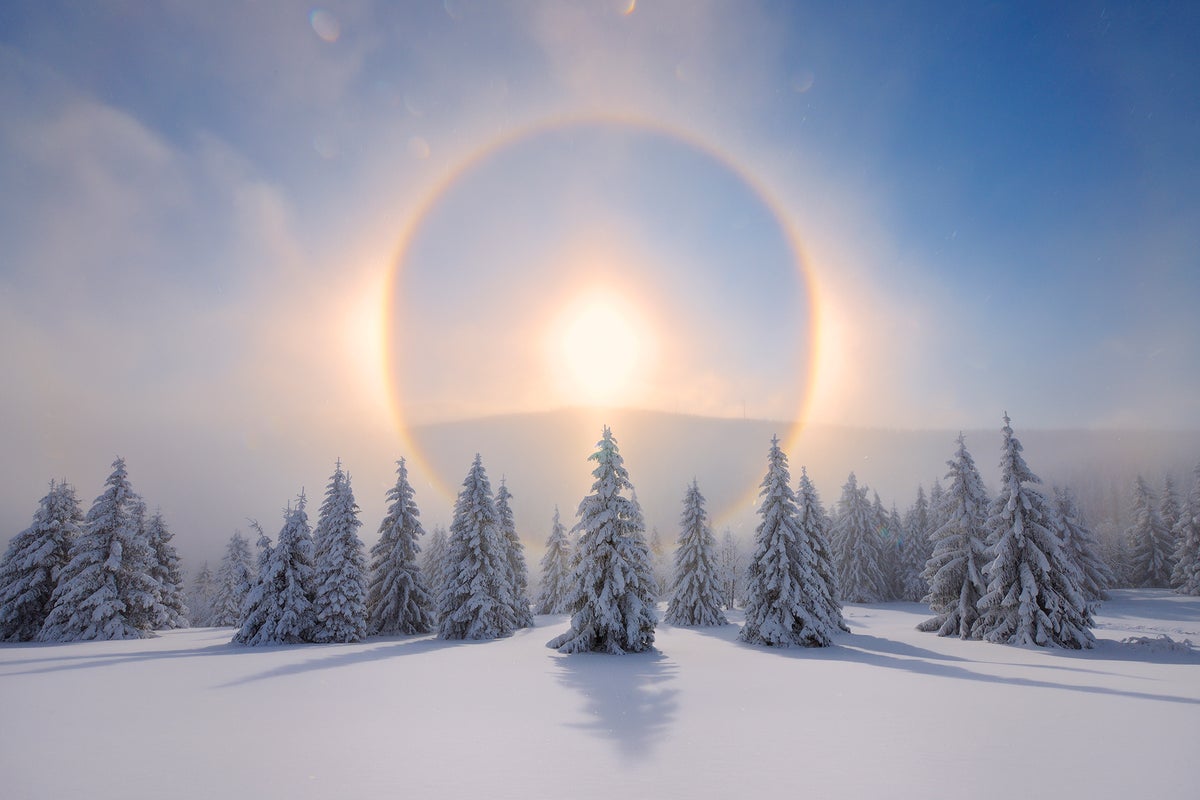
(998, 207)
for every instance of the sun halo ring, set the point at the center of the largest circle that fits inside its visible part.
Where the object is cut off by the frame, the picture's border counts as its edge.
(430, 198)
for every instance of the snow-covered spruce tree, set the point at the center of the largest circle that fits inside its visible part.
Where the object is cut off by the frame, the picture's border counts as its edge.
(477, 601)
(731, 561)
(696, 590)
(815, 523)
(279, 607)
(33, 561)
(518, 572)
(612, 586)
(556, 571)
(339, 566)
(172, 610)
(888, 528)
(955, 569)
(1081, 548)
(104, 591)
(234, 580)
(1151, 544)
(200, 598)
(1169, 509)
(915, 551)
(398, 600)
(1185, 577)
(787, 600)
(433, 565)
(142, 562)
(1033, 595)
(857, 547)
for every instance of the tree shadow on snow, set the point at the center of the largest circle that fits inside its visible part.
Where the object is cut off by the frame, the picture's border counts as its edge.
(332, 656)
(627, 698)
(877, 652)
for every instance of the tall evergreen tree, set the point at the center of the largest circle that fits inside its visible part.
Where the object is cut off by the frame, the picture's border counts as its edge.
(1033, 595)
(200, 598)
(1081, 548)
(172, 610)
(955, 569)
(433, 565)
(340, 566)
(398, 599)
(279, 609)
(234, 580)
(857, 547)
(1169, 508)
(518, 573)
(816, 525)
(696, 591)
(33, 562)
(612, 594)
(556, 571)
(787, 598)
(104, 591)
(477, 602)
(1151, 544)
(915, 550)
(1185, 577)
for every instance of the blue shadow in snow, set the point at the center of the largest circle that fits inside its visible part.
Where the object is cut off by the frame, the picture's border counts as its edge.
(628, 699)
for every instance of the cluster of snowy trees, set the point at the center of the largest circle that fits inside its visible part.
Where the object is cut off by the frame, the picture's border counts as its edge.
(110, 574)
(1020, 567)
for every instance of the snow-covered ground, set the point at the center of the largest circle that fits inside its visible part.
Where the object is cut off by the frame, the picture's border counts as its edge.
(888, 712)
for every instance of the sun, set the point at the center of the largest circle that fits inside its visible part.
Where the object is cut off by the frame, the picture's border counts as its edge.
(599, 349)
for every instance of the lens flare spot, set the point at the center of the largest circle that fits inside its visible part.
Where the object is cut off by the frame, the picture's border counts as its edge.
(418, 147)
(325, 25)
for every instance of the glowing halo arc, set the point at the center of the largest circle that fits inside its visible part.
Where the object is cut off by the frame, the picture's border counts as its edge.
(433, 195)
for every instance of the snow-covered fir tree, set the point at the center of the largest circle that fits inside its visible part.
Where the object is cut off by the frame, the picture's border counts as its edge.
(142, 562)
(477, 601)
(518, 572)
(33, 562)
(339, 566)
(731, 562)
(1033, 594)
(888, 527)
(696, 590)
(279, 608)
(105, 591)
(915, 551)
(955, 569)
(172, 610)
(937, 511)
(1185, 577)
(1080, 546)
(1169, 509)
(200, 598)
(235, 578)
(857, 547)
(612, 586)
(433, 565)
(787, 600)
(556, 571)
(815, 523)
(1151, 545)
(398, 599)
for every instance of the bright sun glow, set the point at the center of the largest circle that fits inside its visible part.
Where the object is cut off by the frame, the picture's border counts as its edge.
(600, 349)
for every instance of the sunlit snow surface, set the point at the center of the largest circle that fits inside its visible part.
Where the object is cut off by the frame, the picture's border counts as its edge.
(888, 712)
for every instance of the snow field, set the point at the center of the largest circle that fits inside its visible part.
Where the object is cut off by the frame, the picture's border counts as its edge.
(886, 712)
